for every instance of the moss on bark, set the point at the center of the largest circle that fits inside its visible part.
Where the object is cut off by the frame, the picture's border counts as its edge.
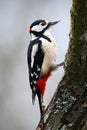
(76, 58)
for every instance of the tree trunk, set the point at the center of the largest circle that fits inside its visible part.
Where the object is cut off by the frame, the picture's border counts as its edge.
(68, 107)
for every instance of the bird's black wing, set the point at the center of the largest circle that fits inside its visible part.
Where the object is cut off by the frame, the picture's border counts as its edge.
(35, 58)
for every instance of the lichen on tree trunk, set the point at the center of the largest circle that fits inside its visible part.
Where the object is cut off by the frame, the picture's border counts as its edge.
(68, 107)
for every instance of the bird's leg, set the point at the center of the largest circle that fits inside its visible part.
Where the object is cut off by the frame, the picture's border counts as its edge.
(61, 64)
(55, 67)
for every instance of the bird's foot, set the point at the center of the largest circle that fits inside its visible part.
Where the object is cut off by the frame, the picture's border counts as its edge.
(56, 66)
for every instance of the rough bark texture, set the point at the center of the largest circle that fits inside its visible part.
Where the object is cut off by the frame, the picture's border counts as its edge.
(68, 107)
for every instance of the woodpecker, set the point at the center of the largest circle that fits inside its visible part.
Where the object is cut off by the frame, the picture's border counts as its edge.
(41, 56)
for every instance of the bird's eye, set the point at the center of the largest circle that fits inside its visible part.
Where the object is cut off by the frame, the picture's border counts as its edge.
(43, 24)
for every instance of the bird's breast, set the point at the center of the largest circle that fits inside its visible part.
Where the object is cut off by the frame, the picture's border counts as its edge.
(49, 56)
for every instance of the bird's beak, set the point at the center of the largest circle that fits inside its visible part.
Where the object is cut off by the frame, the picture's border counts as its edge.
(53, 23)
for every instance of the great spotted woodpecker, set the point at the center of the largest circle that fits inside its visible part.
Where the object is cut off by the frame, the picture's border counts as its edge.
(41, 58)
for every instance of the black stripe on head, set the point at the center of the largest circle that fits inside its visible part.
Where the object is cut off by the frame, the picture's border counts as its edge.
(37, 22)
(41, 33)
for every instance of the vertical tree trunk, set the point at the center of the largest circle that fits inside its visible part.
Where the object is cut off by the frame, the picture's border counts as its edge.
(68, 107)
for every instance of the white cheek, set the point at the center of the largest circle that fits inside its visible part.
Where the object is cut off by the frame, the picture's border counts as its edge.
(38, 28)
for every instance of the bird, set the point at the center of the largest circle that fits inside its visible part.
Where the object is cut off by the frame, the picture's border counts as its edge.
(41, 58)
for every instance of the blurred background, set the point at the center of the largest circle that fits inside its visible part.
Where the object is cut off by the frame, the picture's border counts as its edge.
(16, 109)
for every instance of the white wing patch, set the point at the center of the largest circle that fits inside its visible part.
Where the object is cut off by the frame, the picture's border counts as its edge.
(34, 50)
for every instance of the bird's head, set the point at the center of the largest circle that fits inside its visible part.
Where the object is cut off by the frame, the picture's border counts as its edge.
(41, 27)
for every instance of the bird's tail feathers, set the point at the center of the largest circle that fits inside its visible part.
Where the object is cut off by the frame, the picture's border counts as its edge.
(33, 96)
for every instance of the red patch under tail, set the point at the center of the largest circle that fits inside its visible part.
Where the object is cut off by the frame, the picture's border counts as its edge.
(41, 85)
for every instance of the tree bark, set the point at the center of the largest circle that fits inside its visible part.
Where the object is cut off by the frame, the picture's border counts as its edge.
(68, 107)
